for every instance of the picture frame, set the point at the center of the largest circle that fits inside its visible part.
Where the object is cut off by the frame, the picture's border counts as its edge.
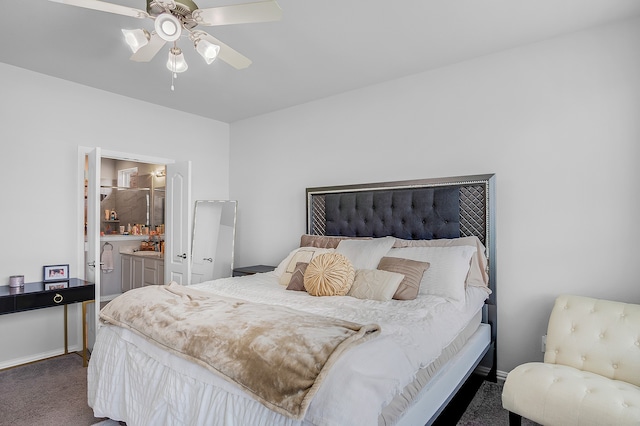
(56, 285)
(52, 273)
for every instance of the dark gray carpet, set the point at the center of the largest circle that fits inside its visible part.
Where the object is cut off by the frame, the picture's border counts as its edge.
(45, 393)
(486, 409)
(54, 392)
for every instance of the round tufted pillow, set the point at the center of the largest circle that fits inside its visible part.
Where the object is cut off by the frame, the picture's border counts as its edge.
(329, 274)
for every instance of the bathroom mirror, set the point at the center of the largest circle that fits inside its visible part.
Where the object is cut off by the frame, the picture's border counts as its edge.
(214, 231)
(134, 192)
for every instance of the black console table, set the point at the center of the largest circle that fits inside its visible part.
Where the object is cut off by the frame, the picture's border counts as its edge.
(34, 296)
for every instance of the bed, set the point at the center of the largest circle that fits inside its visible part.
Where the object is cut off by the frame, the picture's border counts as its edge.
(387, 298)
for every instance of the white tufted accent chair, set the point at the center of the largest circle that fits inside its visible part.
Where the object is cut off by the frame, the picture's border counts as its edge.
(591, 369)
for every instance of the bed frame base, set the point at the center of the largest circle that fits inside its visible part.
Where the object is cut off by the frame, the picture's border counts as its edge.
(434, 397)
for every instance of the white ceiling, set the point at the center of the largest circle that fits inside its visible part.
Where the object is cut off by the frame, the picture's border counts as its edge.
(319, 48)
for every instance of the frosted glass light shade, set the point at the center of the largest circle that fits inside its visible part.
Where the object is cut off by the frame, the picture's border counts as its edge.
(136, 38)
(207, 50)
(176, 62)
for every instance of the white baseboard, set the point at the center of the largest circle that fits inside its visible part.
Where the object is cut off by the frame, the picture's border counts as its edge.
(37, 357)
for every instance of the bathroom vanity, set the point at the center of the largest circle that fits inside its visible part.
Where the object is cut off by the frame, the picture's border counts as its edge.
(141, 268)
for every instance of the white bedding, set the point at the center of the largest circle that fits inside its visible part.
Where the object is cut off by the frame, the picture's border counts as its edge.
(132, 380)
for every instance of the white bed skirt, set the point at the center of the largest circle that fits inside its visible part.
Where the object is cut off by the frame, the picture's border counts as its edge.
(133, 380)
(169, 390)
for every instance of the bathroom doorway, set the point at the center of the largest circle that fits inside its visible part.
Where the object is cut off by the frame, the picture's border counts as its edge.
(89, 193)
(132, 207)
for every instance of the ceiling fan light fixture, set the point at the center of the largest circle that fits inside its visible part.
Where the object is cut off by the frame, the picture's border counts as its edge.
(168, 27)
(136, 38)
(176, 62)
(207, 50)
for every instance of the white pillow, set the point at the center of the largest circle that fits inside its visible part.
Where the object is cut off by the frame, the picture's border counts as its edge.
(365, 254)
(448, 268)
(375, 284)
(477, 276)
(303, 254)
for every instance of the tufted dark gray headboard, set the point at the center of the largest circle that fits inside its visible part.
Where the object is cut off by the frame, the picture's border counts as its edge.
(416, 209)
(414, 213)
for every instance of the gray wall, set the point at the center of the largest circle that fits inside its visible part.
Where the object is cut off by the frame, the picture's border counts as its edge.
(556, 121)
(44, 120)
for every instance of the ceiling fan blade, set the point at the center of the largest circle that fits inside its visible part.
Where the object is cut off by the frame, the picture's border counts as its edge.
(227, 54)
(247, 13)
(106, 7)
(148, 51)
(167, 4)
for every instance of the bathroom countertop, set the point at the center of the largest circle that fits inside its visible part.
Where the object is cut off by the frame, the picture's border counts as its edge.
(118, 237)
(144, 253)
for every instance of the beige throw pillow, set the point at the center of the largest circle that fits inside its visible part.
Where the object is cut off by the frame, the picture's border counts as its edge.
(412, 270)
(375, 284)
(329, 274)
(303, 254)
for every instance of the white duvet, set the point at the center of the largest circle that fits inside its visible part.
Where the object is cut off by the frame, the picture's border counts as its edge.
(132, 380)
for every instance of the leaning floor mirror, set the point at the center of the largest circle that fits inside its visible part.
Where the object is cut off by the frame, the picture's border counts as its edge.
(214, 231)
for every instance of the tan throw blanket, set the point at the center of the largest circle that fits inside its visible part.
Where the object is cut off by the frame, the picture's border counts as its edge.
(278, 355)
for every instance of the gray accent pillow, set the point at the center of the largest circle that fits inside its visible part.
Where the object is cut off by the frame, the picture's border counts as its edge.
(297, 278)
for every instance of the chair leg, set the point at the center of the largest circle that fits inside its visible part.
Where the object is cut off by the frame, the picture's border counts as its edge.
(514, 419)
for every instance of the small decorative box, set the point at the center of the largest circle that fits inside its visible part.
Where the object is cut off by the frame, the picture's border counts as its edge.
(16, 281)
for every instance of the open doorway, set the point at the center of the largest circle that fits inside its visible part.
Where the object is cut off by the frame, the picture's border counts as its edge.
(132, 206)
(88, 237)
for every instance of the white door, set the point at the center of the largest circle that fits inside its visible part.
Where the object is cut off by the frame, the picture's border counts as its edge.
(177, 250)
(93, 229)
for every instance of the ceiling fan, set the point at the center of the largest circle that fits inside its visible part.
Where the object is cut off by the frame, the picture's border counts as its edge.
(173, 18)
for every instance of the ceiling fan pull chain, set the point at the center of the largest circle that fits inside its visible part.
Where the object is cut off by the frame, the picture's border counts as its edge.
(173, 75)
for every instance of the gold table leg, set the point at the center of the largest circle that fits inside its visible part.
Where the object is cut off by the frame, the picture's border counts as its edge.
(66, 336)
(85, 332)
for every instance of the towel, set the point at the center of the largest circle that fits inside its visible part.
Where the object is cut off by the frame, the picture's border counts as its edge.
(106, 260)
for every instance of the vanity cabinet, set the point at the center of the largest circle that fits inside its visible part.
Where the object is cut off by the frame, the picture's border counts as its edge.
(153, 272)
(125, 272)
(139, 270)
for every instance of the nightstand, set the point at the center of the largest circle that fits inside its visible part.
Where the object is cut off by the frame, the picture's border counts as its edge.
(250, 270)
